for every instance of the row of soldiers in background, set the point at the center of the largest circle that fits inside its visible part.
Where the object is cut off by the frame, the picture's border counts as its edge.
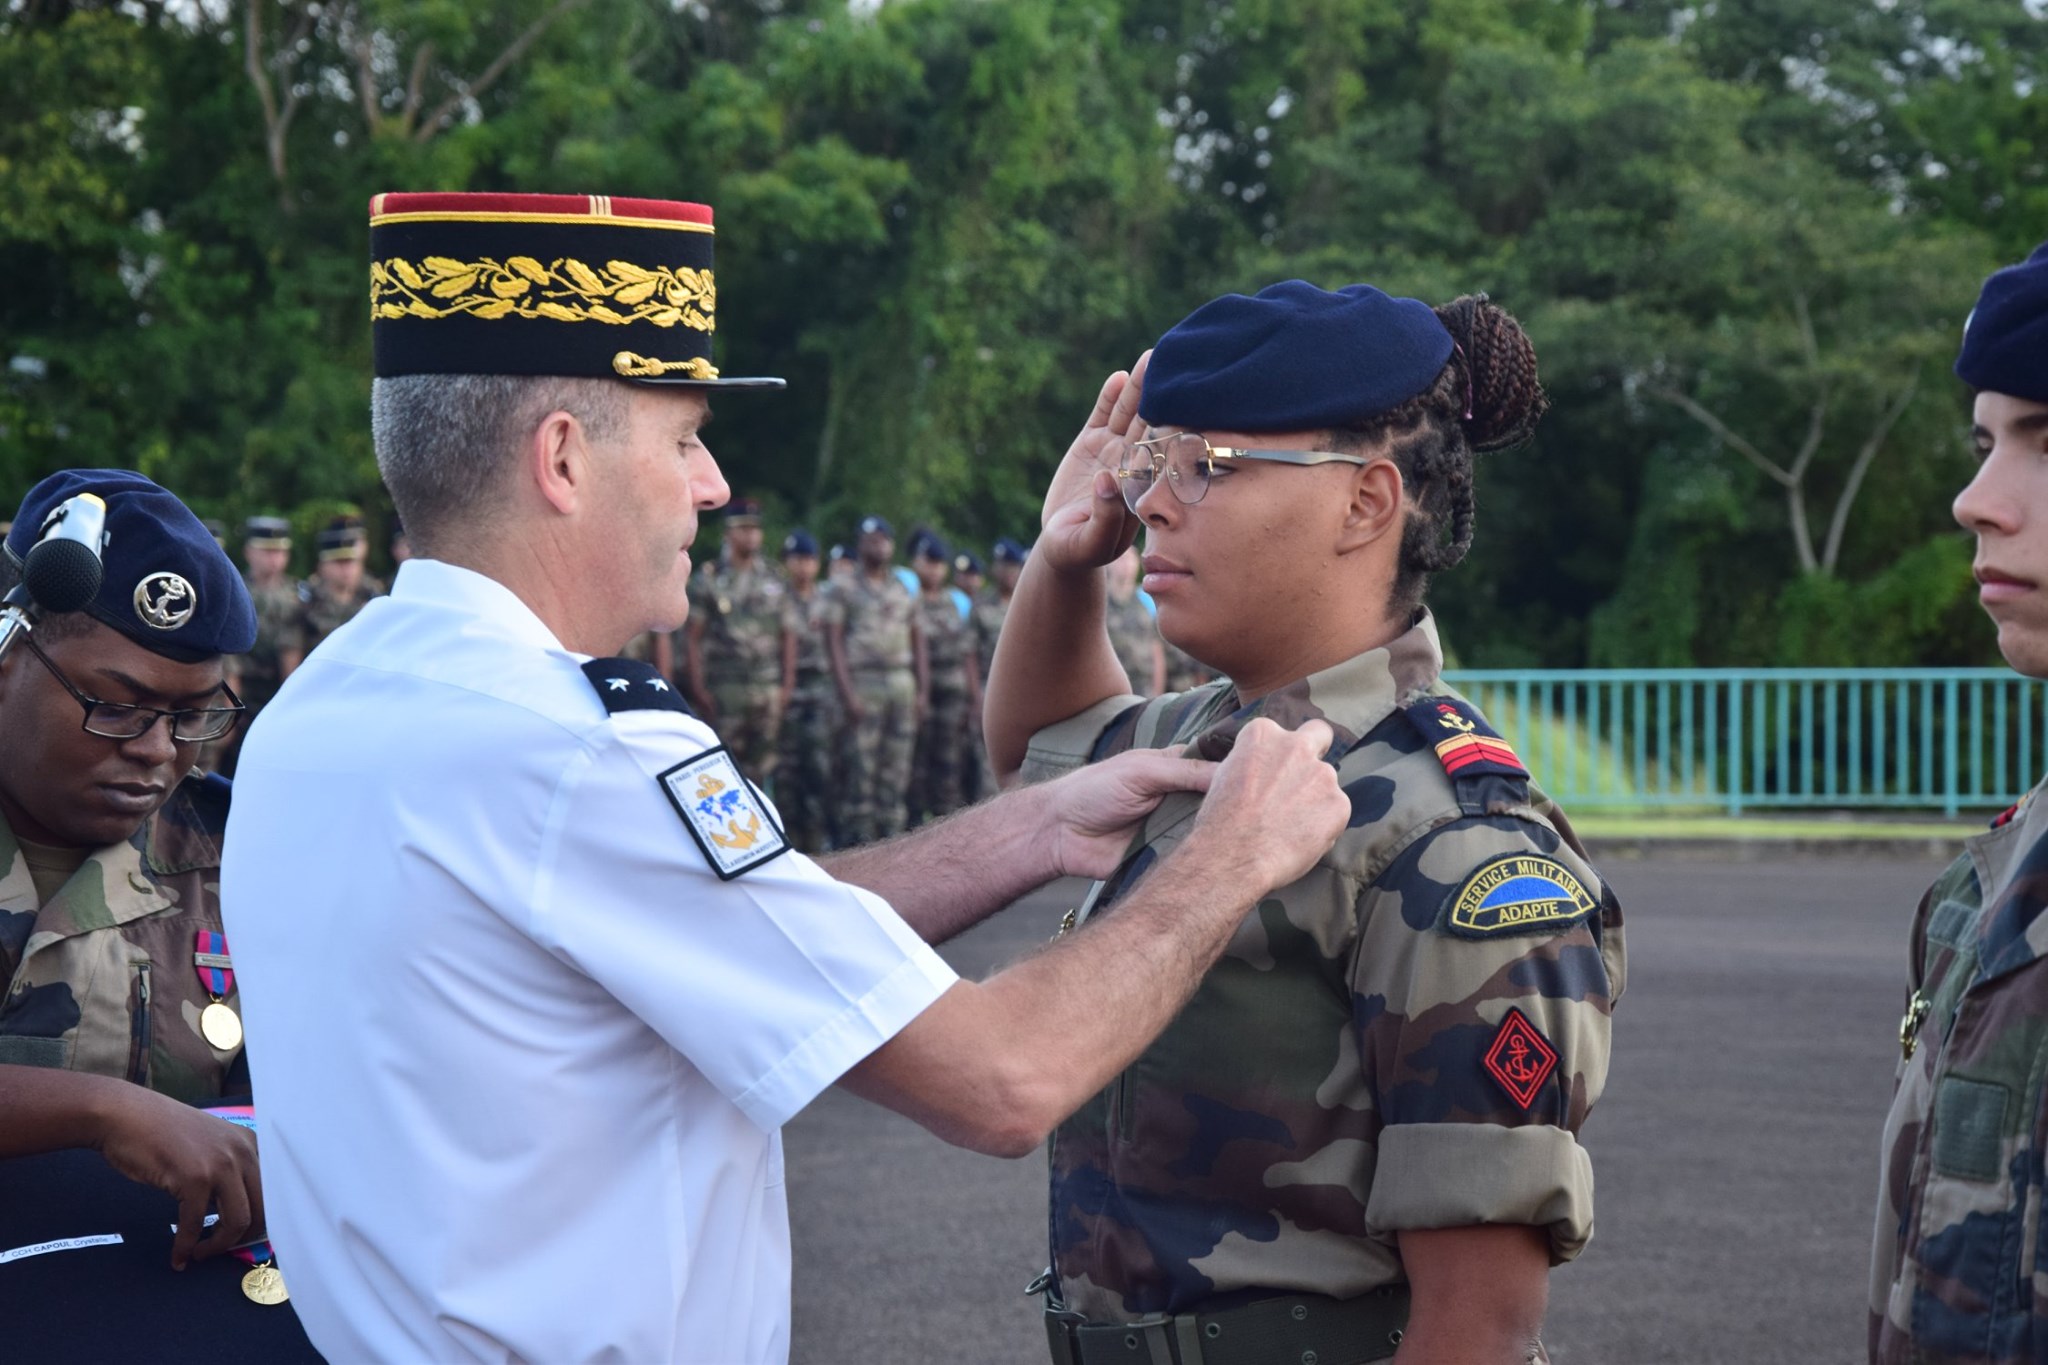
(857, 697)
(294, 615)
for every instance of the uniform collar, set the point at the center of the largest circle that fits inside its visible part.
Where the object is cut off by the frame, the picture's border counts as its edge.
(1353, 696)
(111, 887)
(2012, 864)
(436, 583)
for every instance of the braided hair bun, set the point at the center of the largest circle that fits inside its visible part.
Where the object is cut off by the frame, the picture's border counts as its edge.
(1506, 400)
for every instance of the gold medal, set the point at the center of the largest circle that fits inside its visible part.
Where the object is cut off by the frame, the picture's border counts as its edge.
(220, 1027)
(263, 1284)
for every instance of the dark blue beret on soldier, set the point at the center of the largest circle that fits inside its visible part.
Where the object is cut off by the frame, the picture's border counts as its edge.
(1293, 358)
(2005, 342)
(1008, 551)
(168, 585)
(876, 526)
(968, 562)
(743, 512)
(799, 542)
(927, 545)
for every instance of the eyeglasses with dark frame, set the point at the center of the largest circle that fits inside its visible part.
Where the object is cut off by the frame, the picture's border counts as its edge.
(1189, 460)
(120, 720)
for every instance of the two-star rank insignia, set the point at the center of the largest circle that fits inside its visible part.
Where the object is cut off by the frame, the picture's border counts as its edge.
(630, 685)
(1520, 1059)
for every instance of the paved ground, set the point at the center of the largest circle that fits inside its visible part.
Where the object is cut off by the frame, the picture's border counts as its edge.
(1736, 1151)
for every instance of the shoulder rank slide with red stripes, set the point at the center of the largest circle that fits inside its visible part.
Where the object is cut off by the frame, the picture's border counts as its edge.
(1465, 744)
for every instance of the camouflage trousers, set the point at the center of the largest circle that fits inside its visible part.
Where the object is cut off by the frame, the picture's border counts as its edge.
(874, 756)
(749, 719)
(938, 771)
(803, 771)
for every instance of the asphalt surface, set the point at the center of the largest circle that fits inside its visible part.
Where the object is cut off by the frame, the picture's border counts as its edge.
(1736, 1149)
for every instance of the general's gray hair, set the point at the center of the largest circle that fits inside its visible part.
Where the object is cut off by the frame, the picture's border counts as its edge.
(445, 442)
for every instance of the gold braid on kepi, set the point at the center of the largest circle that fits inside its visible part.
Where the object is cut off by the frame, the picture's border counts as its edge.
(576, 285)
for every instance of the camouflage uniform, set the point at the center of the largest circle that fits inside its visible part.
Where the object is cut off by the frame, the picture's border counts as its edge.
(280, 626)
(321, 613)
(741, 613)
(874, 761)
(978, 779)
(1132, 634)
(102, 978)
(1958, 1272)
(810, 729)
(935, 774)
(1369, 1054)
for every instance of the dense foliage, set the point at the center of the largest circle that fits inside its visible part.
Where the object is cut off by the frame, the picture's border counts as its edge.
(1744, 235)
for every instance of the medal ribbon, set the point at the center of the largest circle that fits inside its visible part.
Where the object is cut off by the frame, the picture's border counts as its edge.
(210, 958)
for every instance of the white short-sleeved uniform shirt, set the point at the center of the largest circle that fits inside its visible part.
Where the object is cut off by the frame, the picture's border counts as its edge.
(520, 1056)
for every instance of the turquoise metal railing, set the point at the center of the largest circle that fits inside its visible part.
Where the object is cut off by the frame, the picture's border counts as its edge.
(1743, 739)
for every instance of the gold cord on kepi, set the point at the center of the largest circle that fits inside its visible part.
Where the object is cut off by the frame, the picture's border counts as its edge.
(581, 286)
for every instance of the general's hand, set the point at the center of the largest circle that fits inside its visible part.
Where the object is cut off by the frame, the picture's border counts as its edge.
(1274, 806)
(1084, 523)
(1094, 812)
(196, 1157)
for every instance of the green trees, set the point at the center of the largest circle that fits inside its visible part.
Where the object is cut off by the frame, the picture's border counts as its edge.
(1743, 237)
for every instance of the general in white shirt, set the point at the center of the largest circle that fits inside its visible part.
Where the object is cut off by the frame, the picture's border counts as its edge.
(521, 1054)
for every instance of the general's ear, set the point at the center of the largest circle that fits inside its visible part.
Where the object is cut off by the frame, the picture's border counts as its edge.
(558, 459)
(1375, 507)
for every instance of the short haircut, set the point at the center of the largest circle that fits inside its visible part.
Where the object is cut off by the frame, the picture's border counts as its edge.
(445, 442)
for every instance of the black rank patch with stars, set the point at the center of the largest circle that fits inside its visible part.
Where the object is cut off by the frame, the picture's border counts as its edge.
(630, 685)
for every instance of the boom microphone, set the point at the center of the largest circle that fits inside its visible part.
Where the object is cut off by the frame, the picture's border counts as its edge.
(62, 570)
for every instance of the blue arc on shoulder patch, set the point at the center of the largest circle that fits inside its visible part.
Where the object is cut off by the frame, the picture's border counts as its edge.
(1519, 893)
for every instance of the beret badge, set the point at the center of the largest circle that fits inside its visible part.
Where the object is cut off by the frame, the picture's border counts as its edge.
(165, 601)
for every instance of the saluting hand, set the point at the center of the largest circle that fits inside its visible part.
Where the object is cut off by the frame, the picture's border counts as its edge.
(1084, 523)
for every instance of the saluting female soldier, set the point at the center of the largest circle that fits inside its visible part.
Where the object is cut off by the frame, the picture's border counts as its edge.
(1366, 1122)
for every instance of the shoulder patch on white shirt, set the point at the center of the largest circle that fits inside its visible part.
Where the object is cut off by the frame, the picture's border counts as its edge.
(723, 813)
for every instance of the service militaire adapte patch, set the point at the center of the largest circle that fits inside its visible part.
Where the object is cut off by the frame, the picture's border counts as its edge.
(723, 813)
(1518, 893)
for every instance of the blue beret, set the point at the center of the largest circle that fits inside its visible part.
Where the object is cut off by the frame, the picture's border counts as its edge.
(2005, 341)
(168, 585)
(968, 562)
(928, 545)
(870, 525)
(799, 542)
(743, 509)
(1008, 551)
(1294, 358)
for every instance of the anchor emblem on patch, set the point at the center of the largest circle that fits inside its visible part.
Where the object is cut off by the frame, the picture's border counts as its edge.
(724, 814)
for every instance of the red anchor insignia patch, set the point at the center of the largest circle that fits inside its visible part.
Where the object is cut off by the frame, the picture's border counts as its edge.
(1520, 1059)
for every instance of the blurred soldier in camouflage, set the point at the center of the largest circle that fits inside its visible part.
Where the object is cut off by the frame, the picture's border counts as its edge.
(990, 606)
(280, 631)
(804, 784)
(338, 588)
(119, 982)
(1360, 1139)
(954, 691)
(1132, 633)
(1958, 1273)
(878, 666)
(735, 645)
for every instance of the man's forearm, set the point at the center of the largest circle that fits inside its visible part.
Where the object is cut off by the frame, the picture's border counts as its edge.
(948, 876)
(1053, 660)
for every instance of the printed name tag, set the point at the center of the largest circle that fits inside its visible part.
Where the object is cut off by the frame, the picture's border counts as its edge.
(723, 813)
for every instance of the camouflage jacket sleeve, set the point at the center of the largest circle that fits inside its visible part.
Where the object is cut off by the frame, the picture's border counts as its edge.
(1483, 980)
